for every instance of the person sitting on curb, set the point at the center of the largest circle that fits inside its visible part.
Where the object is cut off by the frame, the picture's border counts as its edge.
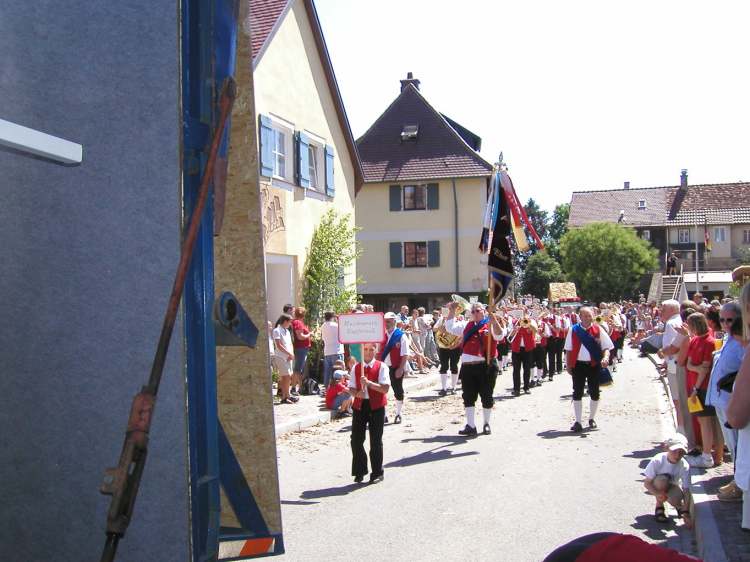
(337, 393)
(668, 479)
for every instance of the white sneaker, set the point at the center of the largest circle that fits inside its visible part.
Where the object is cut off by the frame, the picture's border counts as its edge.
(701, 461)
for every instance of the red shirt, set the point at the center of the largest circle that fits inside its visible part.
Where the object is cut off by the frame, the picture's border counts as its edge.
(299, 326)
(700, 350)
(333, 391)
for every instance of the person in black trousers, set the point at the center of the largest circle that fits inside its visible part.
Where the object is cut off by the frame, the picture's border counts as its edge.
(369, 386)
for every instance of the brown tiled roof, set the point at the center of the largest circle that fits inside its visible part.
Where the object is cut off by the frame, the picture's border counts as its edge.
(263, 17)
(721, 203)
(438, 152)
(604, 206)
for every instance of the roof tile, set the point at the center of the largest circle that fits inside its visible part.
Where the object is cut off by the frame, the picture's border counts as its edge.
(263, 17)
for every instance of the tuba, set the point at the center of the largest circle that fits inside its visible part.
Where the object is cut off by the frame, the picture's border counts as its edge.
(463, 304)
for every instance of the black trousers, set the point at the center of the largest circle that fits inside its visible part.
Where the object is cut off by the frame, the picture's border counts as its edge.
(540, 358)
(521, 360)
(397, 384)
(585, 373)
(478, 379)
(554, 355)
(449, 359)
(375, 420)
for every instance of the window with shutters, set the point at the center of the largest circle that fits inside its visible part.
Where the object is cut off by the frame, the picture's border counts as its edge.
(313, 159)
(415, 254)
(279, 153)
(415, 197)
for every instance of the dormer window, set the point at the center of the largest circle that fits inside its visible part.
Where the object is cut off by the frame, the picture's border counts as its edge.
(641, 204)
(409, 132)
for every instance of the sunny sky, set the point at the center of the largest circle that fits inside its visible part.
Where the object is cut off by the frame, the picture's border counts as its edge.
(577, 94)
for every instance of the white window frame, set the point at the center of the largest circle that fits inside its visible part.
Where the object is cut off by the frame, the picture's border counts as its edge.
(683, 239)
(720, 234)
(316, 150)
(746, 236)
(646, 235)
(280, 125)
(641, 204)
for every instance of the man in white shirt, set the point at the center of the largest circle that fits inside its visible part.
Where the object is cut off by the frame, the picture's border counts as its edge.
(283, 356)
(583, 367)
(333, 350)
(670, 347)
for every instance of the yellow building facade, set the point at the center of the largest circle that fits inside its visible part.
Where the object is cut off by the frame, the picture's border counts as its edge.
(300, 112)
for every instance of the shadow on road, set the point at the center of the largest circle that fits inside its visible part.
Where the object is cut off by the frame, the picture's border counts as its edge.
(455, 439)
(645, 454)
(556, 433)
(330, 492)
(653, 529)
(425, 398)
(429, 456)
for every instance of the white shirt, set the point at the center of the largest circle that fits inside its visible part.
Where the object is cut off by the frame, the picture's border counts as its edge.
(330, 333)
(679, 471)
(605, 342)
(355, 374)
(404, 347)
(671, 337)
(456, 327)
(281, 333)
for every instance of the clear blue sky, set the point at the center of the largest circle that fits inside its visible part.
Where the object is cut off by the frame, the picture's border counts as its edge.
(578, 95)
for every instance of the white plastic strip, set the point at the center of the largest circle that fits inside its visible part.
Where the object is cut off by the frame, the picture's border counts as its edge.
(38, 143)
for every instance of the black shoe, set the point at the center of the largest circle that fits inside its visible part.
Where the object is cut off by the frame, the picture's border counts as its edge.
(550, 378)
(385, 420)
(359, 479)
(526, 391)
(397, 420)
(577, 428)
(532, 384)
(294, 392)
(452, 391)
(516, 393)
(592, 424)
(468, 431)
(443, 393)
(375, 478)
(486, 429)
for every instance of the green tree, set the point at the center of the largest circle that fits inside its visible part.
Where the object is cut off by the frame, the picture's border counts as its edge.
(606, 261)
(333, 250)
(538, 217)
(541, 270)
(558, 225)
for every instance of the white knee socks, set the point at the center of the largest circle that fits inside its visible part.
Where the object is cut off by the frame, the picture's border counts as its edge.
(578, 409)
(470, 417)
(444, 380)
(487, 413)
(399, 405)
(454, 380)
(594, 406)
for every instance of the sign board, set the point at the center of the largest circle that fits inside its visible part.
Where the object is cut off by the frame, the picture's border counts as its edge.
(516, 313)
(366, 327)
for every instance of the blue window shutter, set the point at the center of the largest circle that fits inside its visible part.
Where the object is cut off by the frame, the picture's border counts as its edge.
(433, 253)
(395, 250)
(395, 197)
(303, 160)
(330, 186)
(266, 146)
(433, 196)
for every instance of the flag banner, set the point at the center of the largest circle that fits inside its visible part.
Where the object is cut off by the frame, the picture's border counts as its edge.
(495, 232)
(706, 235)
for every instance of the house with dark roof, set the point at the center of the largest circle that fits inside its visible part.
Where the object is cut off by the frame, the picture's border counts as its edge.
(419, 210)
(680, 219)
(307, 155)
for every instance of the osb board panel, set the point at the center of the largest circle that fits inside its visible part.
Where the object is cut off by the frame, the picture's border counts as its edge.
(244, 375)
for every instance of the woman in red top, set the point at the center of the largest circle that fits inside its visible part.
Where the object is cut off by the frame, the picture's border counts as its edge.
(697, 362)
(302, 343)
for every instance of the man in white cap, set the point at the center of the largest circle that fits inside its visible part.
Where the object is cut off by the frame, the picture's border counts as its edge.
(394, 352)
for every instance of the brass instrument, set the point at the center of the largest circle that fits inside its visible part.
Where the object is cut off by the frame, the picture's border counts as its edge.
(525, 322)
(599, 319)
(446, 340)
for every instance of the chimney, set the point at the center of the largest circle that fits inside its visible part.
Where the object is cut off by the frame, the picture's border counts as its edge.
(627, 185)
(409, 80)
(683, 179)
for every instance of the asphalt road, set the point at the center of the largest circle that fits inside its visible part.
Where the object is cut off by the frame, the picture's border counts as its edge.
(514, 495)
